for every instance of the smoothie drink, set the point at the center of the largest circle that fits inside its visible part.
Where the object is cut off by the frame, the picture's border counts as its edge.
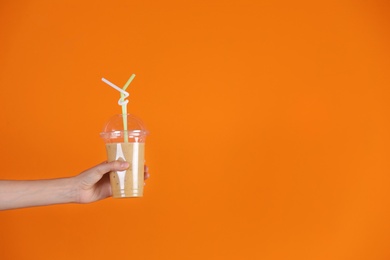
(126, 144)
(129, 183)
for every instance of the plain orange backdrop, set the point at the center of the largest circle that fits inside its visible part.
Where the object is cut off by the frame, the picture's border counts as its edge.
(269, 126)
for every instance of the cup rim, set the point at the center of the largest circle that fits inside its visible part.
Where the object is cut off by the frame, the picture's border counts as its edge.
(118, 133)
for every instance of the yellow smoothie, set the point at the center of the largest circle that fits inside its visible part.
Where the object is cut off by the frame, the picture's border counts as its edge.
(128, 183)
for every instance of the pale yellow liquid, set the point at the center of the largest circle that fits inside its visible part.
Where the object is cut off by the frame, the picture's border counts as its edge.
(129, 183)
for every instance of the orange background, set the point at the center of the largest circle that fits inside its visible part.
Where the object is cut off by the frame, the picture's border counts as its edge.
(269, 126)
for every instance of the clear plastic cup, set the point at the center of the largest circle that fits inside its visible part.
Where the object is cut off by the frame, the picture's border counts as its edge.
(126, 145)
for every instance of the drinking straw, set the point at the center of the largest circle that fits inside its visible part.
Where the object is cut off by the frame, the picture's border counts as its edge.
(124, 108)
(122, 102)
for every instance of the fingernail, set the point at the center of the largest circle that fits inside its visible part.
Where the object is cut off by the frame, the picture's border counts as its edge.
(125, 165)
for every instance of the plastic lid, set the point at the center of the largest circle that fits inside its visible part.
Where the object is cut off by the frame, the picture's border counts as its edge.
(113, 130)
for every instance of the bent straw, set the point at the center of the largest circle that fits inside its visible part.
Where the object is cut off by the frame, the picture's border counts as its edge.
(124, 108)
(122, 102)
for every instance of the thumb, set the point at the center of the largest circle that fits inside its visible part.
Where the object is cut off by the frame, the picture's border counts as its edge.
(105, 167)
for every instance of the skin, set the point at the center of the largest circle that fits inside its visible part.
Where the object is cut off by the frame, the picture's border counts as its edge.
(89, 186)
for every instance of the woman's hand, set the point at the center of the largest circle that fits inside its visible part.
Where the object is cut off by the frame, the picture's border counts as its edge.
(94, 183)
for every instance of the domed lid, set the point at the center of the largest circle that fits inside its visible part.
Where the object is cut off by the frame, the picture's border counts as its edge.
(114, 128)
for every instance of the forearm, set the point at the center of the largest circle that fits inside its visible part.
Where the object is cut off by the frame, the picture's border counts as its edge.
(20, 194)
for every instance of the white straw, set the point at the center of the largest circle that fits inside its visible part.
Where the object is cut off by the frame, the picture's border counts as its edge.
(121, 100)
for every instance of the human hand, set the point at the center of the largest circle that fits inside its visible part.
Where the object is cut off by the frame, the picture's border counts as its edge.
(94, 183)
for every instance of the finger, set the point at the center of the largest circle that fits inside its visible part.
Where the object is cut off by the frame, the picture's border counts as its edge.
(111, 166)
(146, 172)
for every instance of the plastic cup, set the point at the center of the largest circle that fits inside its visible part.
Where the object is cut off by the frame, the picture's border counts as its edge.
(126, 144)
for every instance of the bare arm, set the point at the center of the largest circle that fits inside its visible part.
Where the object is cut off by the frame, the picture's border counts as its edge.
(19, 194)
(89, 186)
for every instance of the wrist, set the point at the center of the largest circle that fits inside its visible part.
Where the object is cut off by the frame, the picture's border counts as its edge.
(70, 191)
